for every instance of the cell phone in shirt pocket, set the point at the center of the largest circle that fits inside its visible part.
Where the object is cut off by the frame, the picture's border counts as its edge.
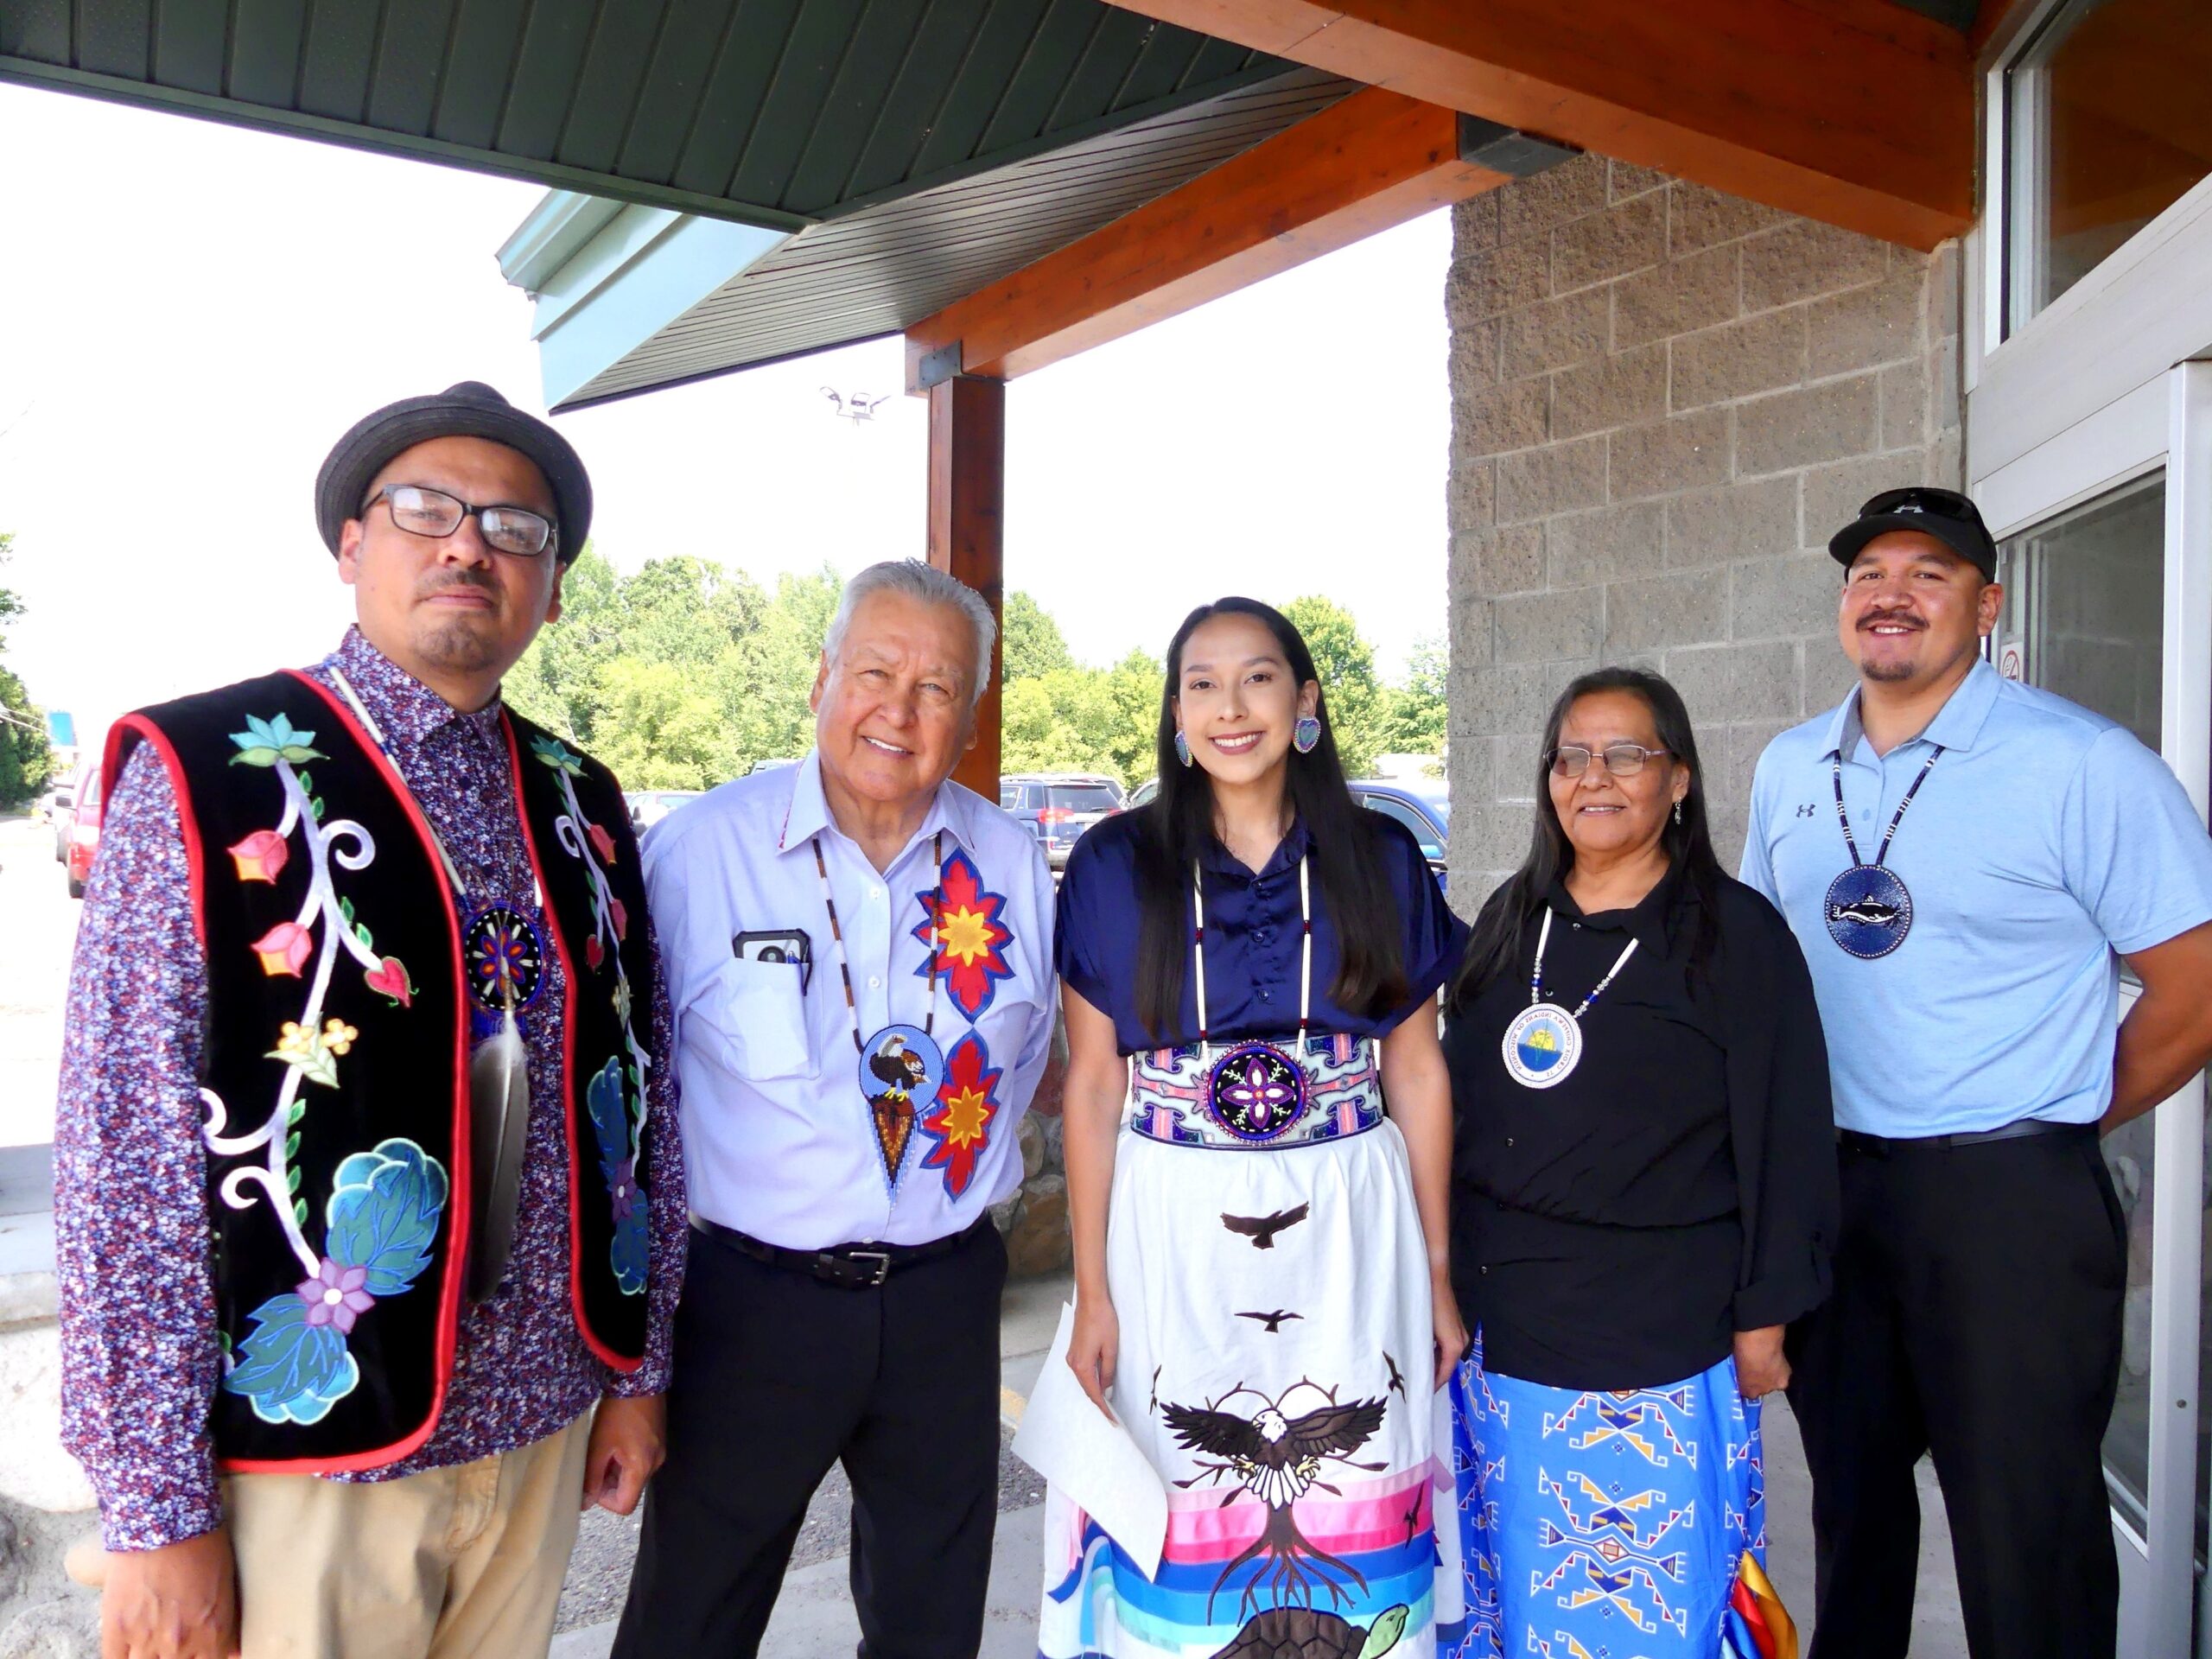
(785, 945)
(755, 1006)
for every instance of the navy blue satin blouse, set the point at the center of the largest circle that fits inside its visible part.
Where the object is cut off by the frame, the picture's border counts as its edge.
(1252, 937)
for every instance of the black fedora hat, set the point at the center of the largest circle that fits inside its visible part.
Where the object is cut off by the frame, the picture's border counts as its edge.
(470, 410)
(1945, 514)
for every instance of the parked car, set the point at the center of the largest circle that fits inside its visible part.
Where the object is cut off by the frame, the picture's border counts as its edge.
(58, 798)
(649, 806)
(1423, 808)
(60, 802)
(1059, 806)
(84, 829)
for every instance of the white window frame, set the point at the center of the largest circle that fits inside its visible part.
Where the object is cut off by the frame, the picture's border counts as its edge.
(2107, 384)
(2146, 308)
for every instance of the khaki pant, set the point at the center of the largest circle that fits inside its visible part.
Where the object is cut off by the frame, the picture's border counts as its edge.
(449, 1564)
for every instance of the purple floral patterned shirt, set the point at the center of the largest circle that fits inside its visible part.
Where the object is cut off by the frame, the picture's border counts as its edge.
(140, 1355)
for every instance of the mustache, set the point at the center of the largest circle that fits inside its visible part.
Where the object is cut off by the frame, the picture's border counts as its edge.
(436, 584)
(1893, 619)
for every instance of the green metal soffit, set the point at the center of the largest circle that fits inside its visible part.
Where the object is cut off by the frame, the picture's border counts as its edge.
(776, 113)
(632, 299)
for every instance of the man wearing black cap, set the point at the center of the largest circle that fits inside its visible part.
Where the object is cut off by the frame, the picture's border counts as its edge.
(368, 1186)
(1965, 956)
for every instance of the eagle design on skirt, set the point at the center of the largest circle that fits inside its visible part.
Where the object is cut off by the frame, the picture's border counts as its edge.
(1277, 1459)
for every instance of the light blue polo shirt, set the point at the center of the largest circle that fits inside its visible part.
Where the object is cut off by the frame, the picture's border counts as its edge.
(2045, 839)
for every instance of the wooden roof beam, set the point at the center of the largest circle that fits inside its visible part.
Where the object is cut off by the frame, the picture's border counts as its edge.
(1374, 160)
(1853, 111)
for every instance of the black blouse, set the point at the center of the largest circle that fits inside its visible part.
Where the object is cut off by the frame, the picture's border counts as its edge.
(1615, 1230)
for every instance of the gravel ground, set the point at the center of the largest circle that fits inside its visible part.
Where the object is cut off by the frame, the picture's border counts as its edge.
(598, 1573)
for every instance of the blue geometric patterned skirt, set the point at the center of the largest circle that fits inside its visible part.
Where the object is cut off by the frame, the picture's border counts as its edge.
(1597, 1525)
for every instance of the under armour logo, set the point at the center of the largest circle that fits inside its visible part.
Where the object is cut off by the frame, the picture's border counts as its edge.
(1809, 811)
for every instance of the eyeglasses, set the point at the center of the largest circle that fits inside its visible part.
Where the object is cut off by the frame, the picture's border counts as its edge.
(1622, 759)
(423, 512)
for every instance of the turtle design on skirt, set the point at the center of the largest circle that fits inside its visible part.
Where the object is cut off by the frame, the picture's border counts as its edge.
(1295, 1632)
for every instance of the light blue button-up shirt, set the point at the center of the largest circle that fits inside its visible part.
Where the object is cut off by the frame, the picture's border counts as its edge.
(771, 1084)
(2045, 840)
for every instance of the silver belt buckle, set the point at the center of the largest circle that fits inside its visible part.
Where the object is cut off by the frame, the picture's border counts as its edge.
(882, 1260)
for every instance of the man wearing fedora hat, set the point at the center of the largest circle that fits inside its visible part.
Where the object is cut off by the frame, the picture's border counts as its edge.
(369, 1201)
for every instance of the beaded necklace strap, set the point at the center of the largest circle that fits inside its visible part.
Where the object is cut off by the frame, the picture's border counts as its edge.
(1536, 972)
(1843, 818)
(837, 938)
(445, 857)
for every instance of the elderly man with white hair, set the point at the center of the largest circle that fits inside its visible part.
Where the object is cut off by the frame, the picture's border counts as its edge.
(859, 955)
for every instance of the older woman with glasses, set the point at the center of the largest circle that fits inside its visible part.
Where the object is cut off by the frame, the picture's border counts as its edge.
(1643, 1195)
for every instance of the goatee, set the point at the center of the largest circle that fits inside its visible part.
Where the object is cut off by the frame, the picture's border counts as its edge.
(457, 647)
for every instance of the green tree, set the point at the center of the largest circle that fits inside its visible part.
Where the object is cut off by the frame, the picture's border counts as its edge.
(1413, 715)
(658, 729)
(764, 697)
(11, 605)
(1133, 685)
(1033, 645)
(26, 757)
(681, 675)
(1344, 664)
(551, 684)
(1060, 721)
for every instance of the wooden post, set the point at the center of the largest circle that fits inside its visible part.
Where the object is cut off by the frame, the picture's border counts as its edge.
(966, 534)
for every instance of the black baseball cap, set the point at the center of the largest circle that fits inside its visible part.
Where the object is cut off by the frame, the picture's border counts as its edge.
(1945, 514)
(469, 410)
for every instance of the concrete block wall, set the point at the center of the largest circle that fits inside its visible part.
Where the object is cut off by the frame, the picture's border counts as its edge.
(1664, 400)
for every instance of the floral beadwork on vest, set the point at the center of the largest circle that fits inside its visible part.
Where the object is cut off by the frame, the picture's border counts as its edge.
(384, 1203)
(335, 1071)
(615, 1098)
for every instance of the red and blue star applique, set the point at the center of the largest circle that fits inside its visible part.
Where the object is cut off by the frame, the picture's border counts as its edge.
(970, 938)
(959, 1125)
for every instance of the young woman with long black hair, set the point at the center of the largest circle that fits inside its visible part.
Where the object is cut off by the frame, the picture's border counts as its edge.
(1258, 1140)
(1643, 1195)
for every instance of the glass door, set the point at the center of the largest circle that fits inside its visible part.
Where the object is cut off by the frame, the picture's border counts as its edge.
(2180, 1453)
(2109, 603)
(2084, 617)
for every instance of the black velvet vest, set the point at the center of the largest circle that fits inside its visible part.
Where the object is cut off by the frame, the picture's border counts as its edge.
(335, 1066)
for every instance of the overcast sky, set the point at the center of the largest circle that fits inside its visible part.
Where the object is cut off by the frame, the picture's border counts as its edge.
(195, 312)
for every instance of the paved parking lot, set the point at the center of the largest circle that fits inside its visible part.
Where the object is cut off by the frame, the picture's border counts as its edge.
(38, 924)
(814, 1615)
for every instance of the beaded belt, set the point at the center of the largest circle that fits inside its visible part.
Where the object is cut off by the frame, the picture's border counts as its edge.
(1256, 1096)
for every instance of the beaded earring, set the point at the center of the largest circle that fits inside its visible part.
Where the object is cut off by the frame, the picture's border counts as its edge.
(1306, 733)
(1183, 749)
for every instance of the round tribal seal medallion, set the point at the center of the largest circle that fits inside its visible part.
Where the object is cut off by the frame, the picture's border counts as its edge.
(1256, 1092)
(1868, 910)
(504, 957)
(1542, 1045)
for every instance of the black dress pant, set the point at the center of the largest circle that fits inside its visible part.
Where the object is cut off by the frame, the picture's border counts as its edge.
(1976, 1317)
(777, 1376)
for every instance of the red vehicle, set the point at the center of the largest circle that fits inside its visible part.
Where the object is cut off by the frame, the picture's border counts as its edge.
(83, 838)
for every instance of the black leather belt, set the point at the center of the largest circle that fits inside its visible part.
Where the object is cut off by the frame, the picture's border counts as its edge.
(849, 1267)
(1880, 1145)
